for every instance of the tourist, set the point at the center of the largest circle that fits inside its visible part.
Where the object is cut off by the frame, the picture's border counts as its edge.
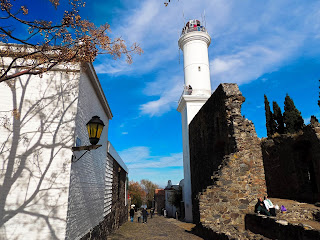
(269, 206)
(139, 215)
(131, 214)
(151, 212)
(144, 215)
(260, 208)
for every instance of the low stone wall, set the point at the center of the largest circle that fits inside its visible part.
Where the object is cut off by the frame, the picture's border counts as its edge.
(207, 233)
(279, 229)
(227, 172)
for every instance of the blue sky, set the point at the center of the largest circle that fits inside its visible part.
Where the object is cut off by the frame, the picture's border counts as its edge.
(266, 47)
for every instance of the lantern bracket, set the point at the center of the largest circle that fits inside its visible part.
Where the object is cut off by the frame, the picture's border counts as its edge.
(82, 148)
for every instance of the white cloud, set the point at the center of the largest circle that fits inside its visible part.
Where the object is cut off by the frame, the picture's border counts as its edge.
(124, 133)
(140, 158)
(159, 169)
(232, 24)
(306, 120)
(134, 154)
(110, 66)
(168, 91)
(252, 61)
(249, 39)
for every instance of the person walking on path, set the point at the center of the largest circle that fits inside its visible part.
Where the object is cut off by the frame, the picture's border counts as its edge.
(139, 215)
(131, 214)
(151, 212)
(144, 215)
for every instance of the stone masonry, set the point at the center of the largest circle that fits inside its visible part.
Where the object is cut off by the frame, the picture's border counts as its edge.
(292, 164)
(227, 173)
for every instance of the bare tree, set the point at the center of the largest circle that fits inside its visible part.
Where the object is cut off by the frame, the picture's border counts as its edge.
(46, 44)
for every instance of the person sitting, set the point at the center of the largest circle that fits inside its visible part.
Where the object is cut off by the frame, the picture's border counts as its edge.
(260, 208)
(269, 205)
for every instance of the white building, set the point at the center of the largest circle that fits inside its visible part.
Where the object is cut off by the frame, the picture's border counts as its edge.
(169, 192)
(194, 43)
(43, 195)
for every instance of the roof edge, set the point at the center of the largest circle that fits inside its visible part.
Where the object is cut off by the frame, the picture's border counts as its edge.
(97, 87)
(112, 151)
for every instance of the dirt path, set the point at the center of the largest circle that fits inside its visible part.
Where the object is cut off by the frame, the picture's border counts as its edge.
(156, 228)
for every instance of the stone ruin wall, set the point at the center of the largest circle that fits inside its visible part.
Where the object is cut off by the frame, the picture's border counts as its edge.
(227, 172)
(292, 165)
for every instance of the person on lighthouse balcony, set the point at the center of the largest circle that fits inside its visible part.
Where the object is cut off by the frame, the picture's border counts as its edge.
(189, 90)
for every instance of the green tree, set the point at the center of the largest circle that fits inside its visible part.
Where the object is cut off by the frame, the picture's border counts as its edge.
(176, 198)
(292, 116)
(136, 192)
(270, 123)
(278, 118)
(149, 188)
(319, 96)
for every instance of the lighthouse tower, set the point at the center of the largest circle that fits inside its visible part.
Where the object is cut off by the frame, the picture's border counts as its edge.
(194, 43)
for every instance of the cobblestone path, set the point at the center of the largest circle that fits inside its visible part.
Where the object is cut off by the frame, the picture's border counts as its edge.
(157, 227)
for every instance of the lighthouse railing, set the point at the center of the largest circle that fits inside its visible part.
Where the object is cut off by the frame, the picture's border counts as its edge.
(195, 93)
(193, 29)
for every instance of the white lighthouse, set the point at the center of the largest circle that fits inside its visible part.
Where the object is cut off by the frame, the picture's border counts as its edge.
(194, 43)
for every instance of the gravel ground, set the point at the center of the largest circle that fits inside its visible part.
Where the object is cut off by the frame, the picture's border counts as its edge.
(157, 227)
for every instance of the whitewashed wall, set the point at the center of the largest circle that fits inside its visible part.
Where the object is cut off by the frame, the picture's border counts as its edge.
(87, 180)
(37, 123)
(171, 210)
(189, 106)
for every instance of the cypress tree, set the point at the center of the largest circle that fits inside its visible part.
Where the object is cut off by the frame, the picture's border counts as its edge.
(292, 116)
(270, 124)
(319, 96)
(278, 118)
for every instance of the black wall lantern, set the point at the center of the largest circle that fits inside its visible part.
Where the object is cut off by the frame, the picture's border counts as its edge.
(95, 127)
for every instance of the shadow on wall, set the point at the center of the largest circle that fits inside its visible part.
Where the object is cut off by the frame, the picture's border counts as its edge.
(292, 165)
(36, 132)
